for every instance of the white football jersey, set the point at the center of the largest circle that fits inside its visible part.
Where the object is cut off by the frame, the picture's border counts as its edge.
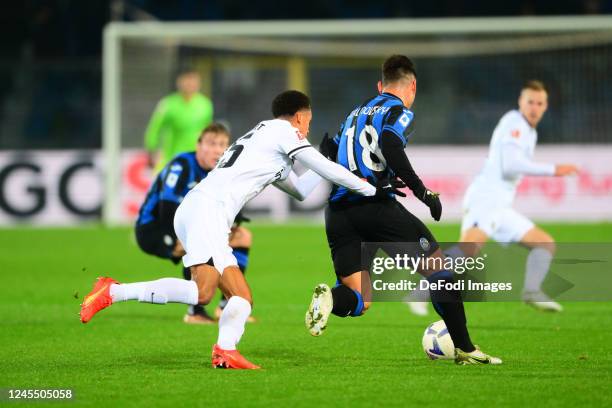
(491, 187)
(259, 158)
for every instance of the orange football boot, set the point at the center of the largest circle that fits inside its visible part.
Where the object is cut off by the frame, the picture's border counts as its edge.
(99, 298)
(230, 359)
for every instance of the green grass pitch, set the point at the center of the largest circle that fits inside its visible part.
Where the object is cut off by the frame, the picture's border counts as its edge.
(143, 355)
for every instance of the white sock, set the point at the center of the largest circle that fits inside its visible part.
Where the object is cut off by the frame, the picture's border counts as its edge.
(232, 321)
(160, 291)
(126, 291)
(538, 263)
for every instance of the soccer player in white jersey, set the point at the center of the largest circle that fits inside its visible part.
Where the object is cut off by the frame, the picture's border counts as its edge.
(488, 211)
(203, 220)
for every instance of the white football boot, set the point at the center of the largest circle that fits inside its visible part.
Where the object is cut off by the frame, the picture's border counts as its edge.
(541, 301)
(319, 310)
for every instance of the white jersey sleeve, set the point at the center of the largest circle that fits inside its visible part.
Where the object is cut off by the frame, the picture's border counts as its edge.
(290, 142)
(516, 163)
(299, 187)
(333, 172)
(261, 157)
(265, 155)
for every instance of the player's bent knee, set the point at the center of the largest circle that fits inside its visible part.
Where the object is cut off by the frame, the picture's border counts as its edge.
(537, 238)
(247, 237)
(550, 246)
(241, 238)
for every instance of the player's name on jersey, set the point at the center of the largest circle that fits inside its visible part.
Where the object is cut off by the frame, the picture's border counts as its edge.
(460, 285)
(370, 110)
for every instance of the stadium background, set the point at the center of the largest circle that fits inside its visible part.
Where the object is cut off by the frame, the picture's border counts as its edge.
(52, 243)
(52, 171)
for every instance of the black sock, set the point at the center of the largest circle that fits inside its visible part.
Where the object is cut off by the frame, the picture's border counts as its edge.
(449, 306)
(347, 302)
(195, 309)
(198, 310)
(187, 273)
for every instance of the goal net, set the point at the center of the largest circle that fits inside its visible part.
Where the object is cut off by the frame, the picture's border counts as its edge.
(469, 73)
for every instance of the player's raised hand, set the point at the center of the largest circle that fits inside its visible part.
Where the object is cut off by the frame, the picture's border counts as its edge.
(432, 200)
(327, 147)
(386, 186)
(565, 170)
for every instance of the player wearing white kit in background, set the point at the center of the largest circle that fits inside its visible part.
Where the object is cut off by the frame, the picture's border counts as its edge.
(487, 204)
(203, 220)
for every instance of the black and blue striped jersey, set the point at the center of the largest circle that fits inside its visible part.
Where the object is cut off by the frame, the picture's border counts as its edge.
(360, 136)
(170, 187)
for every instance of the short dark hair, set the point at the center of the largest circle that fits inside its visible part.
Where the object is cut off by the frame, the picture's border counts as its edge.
(214, 127)
(397, 67)
(534, 85)
(289, 102)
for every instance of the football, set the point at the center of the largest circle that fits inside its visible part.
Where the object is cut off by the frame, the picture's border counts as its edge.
(437, 343)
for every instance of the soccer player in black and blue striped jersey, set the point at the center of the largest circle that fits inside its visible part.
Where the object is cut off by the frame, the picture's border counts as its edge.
(154, 227)
(371, 144)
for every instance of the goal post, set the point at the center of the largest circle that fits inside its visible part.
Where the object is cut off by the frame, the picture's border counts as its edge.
(244, 63)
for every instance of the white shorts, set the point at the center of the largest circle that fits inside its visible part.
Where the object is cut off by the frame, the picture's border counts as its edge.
(502, 224)
(202, 226)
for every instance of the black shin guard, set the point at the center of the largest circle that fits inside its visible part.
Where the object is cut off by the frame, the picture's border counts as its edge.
(449, 306)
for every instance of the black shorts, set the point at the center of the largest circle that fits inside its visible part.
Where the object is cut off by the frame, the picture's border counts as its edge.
(349, 225)
(157, 239)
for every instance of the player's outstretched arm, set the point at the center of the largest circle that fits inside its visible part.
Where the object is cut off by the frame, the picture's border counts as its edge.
(299, 187)
(333, 172)
(516, 163)
(393, 152)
